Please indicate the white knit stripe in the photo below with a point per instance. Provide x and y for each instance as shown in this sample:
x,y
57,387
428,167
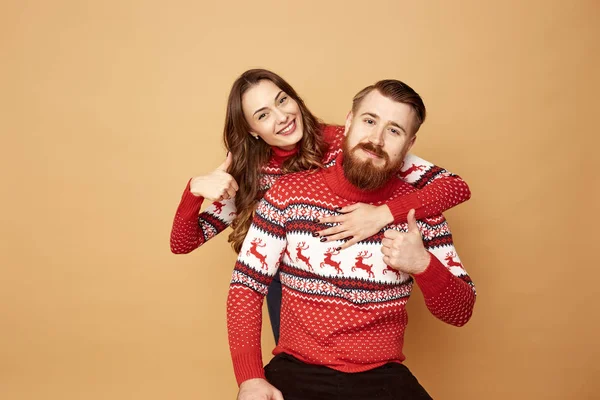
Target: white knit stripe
x,y
224,210
261,251
398,302
324,287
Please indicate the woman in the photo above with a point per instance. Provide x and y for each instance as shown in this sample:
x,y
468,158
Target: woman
x,y
269,132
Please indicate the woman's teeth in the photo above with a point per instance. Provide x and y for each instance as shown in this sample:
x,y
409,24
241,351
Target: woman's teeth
x,y
289,128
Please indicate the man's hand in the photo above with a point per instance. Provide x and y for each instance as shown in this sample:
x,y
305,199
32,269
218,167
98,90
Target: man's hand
x,y
216,186
357,222
405,251
258,389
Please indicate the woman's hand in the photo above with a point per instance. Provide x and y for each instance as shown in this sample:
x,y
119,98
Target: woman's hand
x,y
216,186
357,222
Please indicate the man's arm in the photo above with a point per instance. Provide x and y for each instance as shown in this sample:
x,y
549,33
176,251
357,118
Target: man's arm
x,y
447,288
256,265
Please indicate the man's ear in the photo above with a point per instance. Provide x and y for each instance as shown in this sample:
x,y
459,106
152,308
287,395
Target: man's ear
x,y
348,122
411,142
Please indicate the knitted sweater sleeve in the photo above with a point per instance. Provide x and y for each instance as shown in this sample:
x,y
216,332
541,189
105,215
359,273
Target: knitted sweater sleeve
x,y
439,190
448,290
191,229
256,265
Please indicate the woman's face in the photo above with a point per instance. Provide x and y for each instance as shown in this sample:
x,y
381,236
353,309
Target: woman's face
x,y
273,115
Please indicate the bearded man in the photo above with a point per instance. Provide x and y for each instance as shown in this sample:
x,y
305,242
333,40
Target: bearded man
x,y
343,313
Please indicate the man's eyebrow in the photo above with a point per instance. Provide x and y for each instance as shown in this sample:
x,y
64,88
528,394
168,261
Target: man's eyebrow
x,y
375,116
370,114
398,126
264,108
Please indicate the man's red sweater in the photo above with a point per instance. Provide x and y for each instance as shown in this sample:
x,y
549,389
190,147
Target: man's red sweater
x,y
341,309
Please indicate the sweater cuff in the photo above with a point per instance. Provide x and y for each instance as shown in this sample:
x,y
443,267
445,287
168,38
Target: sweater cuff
x,y
248,366
400,206
189,206
435,279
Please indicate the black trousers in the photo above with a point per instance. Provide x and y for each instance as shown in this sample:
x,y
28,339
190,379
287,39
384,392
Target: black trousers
x,y
300,381
274,305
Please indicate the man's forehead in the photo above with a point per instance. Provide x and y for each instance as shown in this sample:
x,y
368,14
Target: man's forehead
x,y
385,108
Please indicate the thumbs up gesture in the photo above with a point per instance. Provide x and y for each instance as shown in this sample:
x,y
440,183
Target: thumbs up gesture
x,y
405,251
216,186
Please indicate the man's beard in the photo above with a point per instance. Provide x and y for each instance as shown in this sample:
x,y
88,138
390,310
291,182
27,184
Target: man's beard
x,y
364,174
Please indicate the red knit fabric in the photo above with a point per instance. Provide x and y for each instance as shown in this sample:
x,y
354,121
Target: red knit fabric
x,y
439,191
341,309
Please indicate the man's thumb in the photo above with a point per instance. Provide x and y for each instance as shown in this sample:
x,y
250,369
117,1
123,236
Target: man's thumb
x,y
227,163
412,222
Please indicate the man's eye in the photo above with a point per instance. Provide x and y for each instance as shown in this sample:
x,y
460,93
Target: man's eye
x,y
395,131
369,121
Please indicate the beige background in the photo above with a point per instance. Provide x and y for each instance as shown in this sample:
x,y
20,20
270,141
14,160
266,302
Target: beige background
x,y
108,107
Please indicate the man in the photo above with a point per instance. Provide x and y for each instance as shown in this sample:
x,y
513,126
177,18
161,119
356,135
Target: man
x,y
343,312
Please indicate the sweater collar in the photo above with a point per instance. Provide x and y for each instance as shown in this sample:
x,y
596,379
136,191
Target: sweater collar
x,y
337,182
279,155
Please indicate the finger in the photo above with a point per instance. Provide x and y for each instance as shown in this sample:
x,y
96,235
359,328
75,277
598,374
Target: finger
x,y
387,260
412,222
339,236
386,251
387,242
234,184
332,231
227,163
391,234
349,208
349,243
332,219
277,396
231,192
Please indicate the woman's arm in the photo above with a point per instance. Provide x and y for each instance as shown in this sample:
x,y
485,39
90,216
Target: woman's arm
x,y
438,191
191,229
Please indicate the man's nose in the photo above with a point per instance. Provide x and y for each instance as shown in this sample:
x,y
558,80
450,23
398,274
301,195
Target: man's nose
x,y
376,136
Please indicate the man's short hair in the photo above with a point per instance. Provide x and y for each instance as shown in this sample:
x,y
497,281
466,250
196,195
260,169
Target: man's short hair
x,y
397,91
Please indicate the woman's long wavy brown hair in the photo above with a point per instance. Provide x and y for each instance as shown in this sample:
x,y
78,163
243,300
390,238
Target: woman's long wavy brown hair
x,y
250,155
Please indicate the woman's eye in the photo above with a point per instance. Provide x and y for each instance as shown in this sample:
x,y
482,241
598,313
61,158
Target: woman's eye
x,y
261,116
283,100
369,121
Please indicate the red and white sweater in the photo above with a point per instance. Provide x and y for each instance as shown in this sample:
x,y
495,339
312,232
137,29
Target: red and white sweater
x,y
341,309
439,191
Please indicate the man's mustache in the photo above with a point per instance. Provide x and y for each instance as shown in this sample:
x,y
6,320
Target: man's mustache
x,y
371,148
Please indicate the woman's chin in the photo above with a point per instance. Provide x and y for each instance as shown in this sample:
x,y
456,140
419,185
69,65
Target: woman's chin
x,y
291,141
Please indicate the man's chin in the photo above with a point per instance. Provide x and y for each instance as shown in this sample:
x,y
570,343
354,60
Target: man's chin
x,y
370,165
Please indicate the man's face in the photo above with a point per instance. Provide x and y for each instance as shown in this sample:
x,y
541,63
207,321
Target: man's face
x,y
378,136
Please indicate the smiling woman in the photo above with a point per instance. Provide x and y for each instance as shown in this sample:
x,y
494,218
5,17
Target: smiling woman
x,y
278,122
269,132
